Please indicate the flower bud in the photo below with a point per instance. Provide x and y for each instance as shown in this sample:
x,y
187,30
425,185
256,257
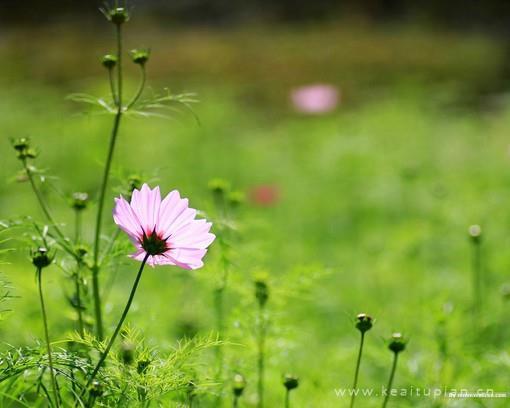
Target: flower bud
x,y
261,291
239,384
397,343
96,389
127,352
219,187
140,56
81,250
364,322
142,366
109,61
475,233
23,149
117,15
40,258
290,381
236,198
134,182
80,201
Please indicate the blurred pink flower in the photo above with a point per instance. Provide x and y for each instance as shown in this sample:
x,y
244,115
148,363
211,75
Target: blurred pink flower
x,y
315,99
165,229
265,195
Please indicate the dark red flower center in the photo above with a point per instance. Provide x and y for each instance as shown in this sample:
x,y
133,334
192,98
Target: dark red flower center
x,y
153,243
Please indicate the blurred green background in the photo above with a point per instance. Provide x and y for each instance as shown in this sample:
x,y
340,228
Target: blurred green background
x,y
374,198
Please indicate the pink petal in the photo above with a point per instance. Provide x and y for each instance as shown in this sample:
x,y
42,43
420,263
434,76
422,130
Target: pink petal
x,y
146,204
171,208
126,219
189,256
193,235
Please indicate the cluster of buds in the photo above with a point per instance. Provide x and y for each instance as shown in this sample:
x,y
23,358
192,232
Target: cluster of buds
x,y
23,149
364,322
397,343
223,193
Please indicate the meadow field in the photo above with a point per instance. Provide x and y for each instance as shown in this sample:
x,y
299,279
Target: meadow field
x,y
369,209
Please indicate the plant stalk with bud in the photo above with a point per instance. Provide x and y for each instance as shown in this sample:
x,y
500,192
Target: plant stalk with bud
x,y
41,260
475,235
363,324
290,382
262,295
397,344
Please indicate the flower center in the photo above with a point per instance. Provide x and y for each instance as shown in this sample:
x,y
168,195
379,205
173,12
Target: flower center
x,y
154,244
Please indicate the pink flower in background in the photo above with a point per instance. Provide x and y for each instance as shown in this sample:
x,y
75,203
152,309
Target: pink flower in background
x,y
165,230
265,195
315,99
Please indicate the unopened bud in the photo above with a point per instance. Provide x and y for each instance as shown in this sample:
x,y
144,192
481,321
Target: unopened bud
x,y
140,56
363,322
109,61
118,15
397,343
127,352
261,291
239,384
475,233
80,201
96,389
219,187
41,258
142,366
290,381
236,198
23,149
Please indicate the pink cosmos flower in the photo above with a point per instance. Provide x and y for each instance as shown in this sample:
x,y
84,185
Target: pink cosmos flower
x,y
165,230
315,99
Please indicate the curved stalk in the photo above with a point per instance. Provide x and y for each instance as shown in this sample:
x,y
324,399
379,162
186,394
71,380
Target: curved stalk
x,y
119,325
390,382
47,339
102,192
46,211
140,89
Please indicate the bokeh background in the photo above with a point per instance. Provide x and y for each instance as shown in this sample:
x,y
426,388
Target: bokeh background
x,y
369,203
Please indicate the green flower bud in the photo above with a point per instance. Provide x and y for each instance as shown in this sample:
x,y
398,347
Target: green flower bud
x,y
290,381
109,61
118,15
96,389
236,198
127,352
219,187
134,182
140,56
21,144
81,250
80,201
261,291
475,233
363,322
239,384
142,366
41,259
397,343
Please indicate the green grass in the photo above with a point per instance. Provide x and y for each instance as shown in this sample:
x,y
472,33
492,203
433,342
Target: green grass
x,y
375,202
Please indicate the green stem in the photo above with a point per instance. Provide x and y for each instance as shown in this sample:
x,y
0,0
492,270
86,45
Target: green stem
x,y
477,276
119,325
356,373
77,227
236,402
140,89
77,285
390,382
287,399
112,88
261,356
102,193
63,243
47,338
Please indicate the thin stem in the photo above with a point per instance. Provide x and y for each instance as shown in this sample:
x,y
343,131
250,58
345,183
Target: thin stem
x,y
287,398
77,226
112,88
77,286
47,338
390,382
140,89
119,325
477,276
261,356
236,402
356,373
102,193
46,210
